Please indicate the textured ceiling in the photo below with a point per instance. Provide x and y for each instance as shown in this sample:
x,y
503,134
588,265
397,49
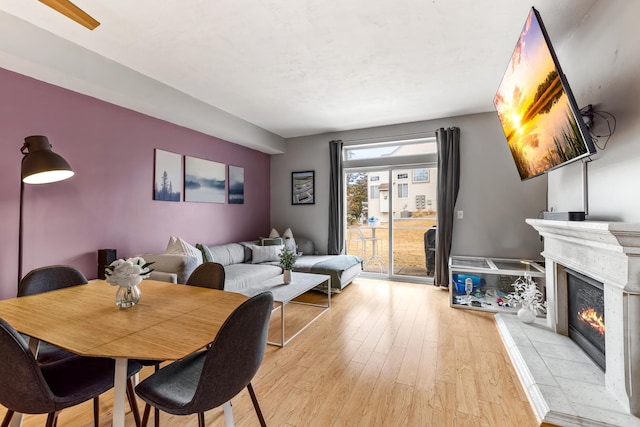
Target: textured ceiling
x,y
296,67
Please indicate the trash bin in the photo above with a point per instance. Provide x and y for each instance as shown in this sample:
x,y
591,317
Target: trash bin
x,y
430,250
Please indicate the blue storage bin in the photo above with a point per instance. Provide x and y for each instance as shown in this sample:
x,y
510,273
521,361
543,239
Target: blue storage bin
x,y
459,280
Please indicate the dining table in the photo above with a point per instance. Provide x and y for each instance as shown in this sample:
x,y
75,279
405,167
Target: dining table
x,y
169,323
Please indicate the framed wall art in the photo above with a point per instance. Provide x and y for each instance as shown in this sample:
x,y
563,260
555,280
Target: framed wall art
x,y
167,176
303,188
236,185
204,180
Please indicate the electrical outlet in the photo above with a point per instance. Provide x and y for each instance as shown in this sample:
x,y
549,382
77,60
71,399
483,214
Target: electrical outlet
x,y
460,214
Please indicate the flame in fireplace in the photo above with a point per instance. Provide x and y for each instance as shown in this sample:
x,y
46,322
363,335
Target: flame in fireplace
x,y
591,317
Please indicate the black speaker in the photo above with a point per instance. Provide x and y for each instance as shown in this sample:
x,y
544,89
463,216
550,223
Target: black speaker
x,y
105,257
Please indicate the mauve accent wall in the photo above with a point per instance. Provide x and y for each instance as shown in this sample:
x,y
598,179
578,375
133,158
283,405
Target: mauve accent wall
x,y
108,203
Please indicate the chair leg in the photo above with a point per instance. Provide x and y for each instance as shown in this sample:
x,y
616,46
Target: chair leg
x,y
145,415
254,399
96,411
7,418
131,396
201,419
52,419
156,411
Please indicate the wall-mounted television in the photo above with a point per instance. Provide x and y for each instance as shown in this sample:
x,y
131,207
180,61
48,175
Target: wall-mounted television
x,y
539,115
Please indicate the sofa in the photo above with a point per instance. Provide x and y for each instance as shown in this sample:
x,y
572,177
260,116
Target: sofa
x,y
246,266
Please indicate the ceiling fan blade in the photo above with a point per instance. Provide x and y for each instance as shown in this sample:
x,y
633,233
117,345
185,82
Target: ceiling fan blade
x,y
72,11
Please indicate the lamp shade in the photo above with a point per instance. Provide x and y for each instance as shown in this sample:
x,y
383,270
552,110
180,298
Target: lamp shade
x,y
40,165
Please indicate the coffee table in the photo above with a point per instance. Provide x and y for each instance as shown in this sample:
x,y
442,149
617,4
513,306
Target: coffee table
x,y
285,294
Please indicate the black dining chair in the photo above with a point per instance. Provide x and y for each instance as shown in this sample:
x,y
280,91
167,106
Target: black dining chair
x,y
208,275
47,279
209,378
51,278
32,388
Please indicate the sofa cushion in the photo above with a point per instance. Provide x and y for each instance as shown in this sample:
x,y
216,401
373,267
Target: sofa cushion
x,y
231,253
239,277
305,246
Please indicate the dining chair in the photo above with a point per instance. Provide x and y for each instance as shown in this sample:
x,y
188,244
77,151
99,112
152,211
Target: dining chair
x,y
32,388
208,275
45,279
212,377
50,278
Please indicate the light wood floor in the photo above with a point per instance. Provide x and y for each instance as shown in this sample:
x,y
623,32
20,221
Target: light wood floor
x,y
386,354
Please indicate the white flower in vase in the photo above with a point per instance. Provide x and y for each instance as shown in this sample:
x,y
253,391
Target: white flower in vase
x,y
127,272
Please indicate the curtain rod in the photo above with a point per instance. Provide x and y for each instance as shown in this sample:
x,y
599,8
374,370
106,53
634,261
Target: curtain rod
x,y
390,138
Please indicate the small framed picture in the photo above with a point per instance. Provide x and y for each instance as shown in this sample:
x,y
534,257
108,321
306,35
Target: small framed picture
x,y
303,188
167,183
236,185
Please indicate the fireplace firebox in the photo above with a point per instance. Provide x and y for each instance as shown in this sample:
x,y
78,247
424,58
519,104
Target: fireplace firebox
x,y
586,315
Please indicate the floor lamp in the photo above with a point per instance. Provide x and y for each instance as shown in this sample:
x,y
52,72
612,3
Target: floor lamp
x,y
40,165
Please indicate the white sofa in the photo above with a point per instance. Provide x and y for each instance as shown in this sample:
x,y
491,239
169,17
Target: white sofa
x,y
241,273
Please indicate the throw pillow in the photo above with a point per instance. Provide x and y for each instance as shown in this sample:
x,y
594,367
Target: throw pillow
x,y
170,244
261,254
291,244
288,234
180,247
274,233
272,242
207,256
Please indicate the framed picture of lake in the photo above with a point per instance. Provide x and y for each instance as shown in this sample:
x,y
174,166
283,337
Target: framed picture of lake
x,y
167,176
236,185
204,180
303,188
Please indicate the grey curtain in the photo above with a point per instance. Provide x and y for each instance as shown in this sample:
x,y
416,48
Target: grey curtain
x,y
335,245
448,185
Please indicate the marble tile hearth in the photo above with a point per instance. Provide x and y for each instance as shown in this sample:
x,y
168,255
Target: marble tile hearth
x,y
564,386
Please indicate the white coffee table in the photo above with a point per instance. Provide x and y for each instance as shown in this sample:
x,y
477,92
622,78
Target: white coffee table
x,y
284,294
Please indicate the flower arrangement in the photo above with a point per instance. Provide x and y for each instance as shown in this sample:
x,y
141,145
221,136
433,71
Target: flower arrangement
x,y
527,294
287,258
127,272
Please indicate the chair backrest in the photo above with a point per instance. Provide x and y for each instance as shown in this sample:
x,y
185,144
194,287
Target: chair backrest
x,y
22,386
49,278
235,354
208,275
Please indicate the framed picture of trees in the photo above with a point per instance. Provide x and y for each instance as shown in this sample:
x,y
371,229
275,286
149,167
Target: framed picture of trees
x,y
167,183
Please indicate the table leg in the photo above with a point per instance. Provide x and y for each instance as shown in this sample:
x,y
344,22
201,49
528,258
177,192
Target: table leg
x,y
119,391
228,414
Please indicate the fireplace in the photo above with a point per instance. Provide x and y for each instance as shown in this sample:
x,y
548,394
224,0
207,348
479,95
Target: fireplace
x,y
586,315
609,253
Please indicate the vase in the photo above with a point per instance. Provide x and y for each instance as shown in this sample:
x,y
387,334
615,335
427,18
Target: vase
x,y
287,277
127,296
526,315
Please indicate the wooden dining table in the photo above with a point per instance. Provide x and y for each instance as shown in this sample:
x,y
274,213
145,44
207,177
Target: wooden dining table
x,y
169,323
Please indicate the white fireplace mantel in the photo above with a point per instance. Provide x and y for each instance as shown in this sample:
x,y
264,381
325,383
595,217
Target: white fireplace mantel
x,y
608,252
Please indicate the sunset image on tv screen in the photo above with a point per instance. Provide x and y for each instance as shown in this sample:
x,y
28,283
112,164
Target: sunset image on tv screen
x,y
534,108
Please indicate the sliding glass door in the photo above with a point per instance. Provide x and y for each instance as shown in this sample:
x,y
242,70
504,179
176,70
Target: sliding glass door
x,y
390,208
413,221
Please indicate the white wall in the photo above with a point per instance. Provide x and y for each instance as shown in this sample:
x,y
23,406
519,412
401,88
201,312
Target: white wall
x,y
602,62
494,200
